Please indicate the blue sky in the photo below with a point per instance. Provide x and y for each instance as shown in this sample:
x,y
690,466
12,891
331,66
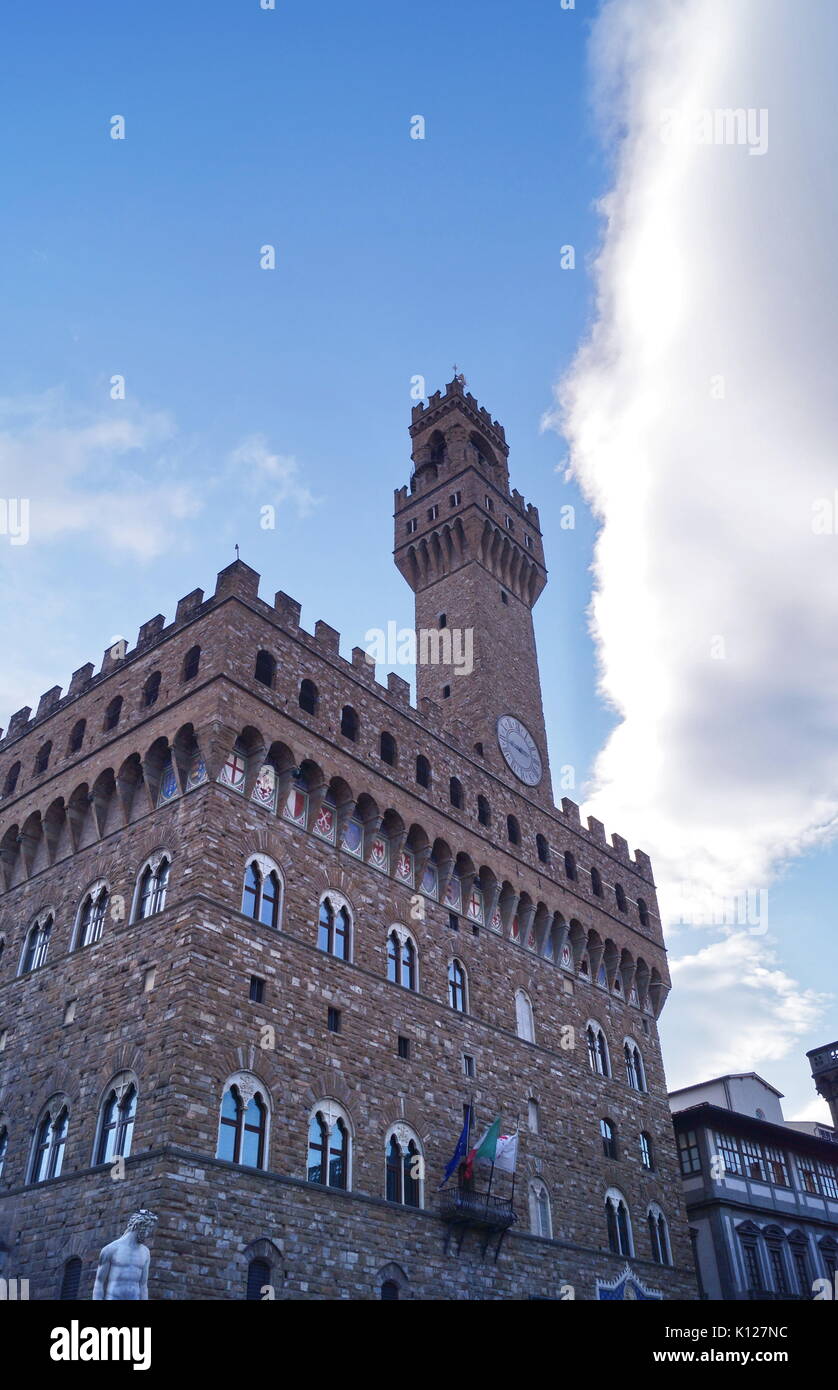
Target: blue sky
x,y
245,387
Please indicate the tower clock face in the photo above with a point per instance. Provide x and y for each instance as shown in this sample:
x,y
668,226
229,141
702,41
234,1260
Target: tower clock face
x,y
520,750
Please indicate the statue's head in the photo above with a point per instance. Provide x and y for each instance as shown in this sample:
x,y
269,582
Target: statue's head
x,y
142,1222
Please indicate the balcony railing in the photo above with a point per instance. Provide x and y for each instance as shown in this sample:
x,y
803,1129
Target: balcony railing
x,y
477,1209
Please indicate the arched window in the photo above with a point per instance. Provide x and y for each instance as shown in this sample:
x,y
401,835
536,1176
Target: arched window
x,y
401,959
642,912
523,1016
308,697
77,736
334,926
532,1115
596,883
91,918
457,987
388,749
36,946
618,1224
569,864
543,849
423,771
609,1138
541,1223
151,690
389,1289
404,1167
116,1121
619,894
484,813
262,893
4,1146
265,668
243,1125
113,712
658,1236
646,1151
70,1280
455,793
258,1278
50,1140
634,1066
513,830
11,779
191,664
328,1147
151,887
42,760
349,723
597,1050
442,620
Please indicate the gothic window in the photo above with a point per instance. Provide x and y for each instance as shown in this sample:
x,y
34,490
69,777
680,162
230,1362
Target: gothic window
x,y
116,1121
688,1153
455,793
457,987
77,736
543,849
609,1138
618,1224
753,1269
265,669
532,1115
91,919
597,1050
541,1223
334,926
50,1140
113,712
596,883
404,1167
151,888
328,1147
569,864
619,894
513,830
634,1066
349,723
191,664
523,1017
801,1265
36,947
658,1236
151,690
388,749
484,814
308,697
646,1151
70,1280
11,779
642,912
401,960
243,1125
262,892
423,771
389,1289
42,760
258,1278
778,1267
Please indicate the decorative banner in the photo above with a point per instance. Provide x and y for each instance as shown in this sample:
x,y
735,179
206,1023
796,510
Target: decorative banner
x,y
404,867
453,895
625,1287
168,783
531,939
602,978
197,773
264,793
296,807
515,928
353,839
430,883
633,999
232,773
380,853
497,920
567,959
326,824
474,906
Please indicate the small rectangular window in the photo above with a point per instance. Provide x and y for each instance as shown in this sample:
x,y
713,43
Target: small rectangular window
x,y
510,525
149,977
257,989
455,499
334,1020
412,526
404,1046
69,1011
3,1036
490,506
433,513
453,921
468,1065
528,542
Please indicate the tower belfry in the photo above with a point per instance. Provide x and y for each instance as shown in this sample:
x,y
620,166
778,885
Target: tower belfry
x,y
471,549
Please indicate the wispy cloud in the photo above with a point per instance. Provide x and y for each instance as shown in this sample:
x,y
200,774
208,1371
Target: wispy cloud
x,y
271,476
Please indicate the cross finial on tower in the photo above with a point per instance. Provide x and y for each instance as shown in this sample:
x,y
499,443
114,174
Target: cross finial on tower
x,y
459,376
237,551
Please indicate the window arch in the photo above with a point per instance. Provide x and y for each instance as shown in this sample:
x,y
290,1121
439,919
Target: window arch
x,y
423,771
404,1167
191,664
618,1224
334,926
90,919
635,1075
457,987
608,1133
643,912
117,1114
647,1152
151,690
387,749
569,865
11,779
658,1235
541,1219
513,830
77,736
402,959
152,883
50,1139
263,891
598,1058
309,697
484,811
329,1146
596,883
620,895
36,945
542,849
265,668
455,793
70,1279
524,1023
243,1122
349,723
43,756
113,712
258,1278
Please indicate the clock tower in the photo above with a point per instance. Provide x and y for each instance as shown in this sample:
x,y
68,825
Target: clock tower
x,y
471,550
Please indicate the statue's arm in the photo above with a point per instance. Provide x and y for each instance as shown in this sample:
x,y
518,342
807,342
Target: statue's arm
x,y
101,1285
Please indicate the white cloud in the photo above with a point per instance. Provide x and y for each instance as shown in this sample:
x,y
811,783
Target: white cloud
x,y
274,476
716,604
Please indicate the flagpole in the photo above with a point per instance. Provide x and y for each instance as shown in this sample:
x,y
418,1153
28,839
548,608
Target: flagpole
x,y
515,1169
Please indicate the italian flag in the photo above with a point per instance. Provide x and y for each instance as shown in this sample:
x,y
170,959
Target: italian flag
x,y
485,1149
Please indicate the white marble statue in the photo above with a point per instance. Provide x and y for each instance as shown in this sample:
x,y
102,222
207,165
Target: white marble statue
x,y
123,1265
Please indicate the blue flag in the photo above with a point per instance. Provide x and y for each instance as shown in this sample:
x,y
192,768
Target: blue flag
x,y
461,1150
